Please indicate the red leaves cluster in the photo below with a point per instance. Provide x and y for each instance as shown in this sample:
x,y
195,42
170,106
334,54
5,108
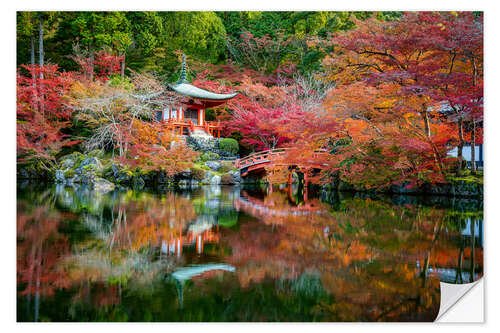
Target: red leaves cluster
x,y
42,110
402,86
104,65
153,148
107,65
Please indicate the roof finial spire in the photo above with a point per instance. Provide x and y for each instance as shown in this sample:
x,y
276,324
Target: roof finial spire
x,y
182,79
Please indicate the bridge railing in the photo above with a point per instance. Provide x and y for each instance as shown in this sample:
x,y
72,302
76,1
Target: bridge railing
x,y
269,156
259,157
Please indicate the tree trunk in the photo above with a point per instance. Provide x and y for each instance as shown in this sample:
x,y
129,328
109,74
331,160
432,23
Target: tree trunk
x,y
473,148
33,77
122,71
32,38
92,56
40,53
427,123
460,148
40,40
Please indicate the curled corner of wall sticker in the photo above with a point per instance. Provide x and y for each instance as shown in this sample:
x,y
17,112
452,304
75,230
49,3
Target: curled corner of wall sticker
x,y
461,303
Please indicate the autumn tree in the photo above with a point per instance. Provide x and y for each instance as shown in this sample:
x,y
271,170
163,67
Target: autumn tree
x,y
151,147
43,110
404,62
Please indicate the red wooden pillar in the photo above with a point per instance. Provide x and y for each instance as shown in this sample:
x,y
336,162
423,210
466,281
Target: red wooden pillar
x,y
201,121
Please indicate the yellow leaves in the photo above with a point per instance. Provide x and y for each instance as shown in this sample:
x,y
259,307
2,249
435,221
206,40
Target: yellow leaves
x,y
388,103
442,26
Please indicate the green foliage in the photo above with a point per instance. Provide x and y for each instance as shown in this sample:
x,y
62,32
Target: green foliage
x,y
198,173
96,153
229,145
121,82
151,39
200,34
209,156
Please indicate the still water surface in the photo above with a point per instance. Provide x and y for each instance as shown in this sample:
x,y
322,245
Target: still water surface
x,y
234,254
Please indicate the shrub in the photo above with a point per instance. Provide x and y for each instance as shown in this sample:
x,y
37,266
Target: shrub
x,y
209,156
121,82
226,167
229,145
226,179
96,153
198,173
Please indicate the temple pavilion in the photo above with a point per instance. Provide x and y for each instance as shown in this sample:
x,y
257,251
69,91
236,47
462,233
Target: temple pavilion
x,y
188,117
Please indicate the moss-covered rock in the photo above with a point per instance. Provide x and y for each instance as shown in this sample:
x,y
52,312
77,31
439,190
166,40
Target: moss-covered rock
x,y
96,153
70,173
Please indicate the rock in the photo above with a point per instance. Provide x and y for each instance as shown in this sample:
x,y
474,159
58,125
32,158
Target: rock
x,y
213,165
138,183
91,161
162,178
215,180
115,170
184,183
208,176
438,189
202,142
236,176
87,179
467,189
75,179
68,163
124,177
60,176
184,175
101,185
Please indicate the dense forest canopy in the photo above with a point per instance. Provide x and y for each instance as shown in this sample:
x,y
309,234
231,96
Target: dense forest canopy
x,y
149,39
386,94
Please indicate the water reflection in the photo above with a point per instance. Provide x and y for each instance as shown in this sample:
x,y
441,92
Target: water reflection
x,y
230,254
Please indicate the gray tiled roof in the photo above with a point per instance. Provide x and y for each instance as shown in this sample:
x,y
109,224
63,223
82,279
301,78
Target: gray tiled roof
x,y
195,92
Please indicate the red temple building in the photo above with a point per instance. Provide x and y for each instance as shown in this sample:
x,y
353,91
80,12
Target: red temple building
x,y
188,117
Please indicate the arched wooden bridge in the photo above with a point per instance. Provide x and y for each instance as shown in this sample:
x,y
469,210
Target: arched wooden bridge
x,y
258,162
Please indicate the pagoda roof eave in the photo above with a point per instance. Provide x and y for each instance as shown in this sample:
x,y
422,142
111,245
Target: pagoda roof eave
x,y
189,90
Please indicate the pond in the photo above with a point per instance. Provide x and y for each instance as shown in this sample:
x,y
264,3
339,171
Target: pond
x,y
239,254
